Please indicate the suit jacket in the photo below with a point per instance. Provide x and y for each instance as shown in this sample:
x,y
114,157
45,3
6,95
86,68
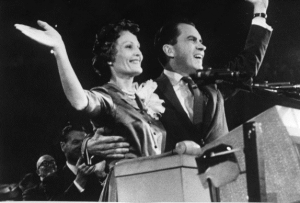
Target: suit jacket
x,y
47,190
71,193
175,120
35,193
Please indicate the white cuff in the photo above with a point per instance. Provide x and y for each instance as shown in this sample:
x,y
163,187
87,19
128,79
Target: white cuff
x,y
261,22
78,186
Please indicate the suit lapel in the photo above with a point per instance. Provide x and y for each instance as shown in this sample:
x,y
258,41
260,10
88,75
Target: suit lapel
x,y
210,108
165,86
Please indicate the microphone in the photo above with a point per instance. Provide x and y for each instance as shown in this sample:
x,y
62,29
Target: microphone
x,y
218,74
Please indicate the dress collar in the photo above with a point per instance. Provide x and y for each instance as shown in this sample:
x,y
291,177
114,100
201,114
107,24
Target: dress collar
x,y
125,97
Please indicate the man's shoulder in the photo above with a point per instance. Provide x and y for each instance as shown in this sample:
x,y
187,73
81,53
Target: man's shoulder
x,y
160,78
210,89
162,83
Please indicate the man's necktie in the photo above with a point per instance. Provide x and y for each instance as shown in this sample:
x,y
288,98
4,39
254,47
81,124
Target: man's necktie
x,y
198,100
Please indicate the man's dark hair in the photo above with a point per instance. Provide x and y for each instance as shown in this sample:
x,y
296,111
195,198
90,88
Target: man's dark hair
x,y
105,46
168,34
68,128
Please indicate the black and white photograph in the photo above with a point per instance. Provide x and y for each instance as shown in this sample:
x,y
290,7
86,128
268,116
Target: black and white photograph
x,y
150,100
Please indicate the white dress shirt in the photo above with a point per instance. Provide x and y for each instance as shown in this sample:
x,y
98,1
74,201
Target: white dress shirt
x,y
261,22
183,93
74,171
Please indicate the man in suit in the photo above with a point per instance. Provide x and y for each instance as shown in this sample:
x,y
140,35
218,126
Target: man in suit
x,y
180,51
45,166
48,187
80,182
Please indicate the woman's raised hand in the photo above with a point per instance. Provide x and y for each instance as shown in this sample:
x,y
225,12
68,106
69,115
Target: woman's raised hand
x,y
48,36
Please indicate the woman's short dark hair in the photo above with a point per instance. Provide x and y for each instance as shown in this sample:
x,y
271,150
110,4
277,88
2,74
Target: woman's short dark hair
x,y
168,34
105,45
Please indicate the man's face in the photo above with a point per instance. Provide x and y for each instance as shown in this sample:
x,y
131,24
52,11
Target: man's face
x,y
72,147
188,51
46,166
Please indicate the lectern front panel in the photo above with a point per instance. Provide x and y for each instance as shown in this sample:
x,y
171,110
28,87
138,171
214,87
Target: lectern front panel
x,y
280,126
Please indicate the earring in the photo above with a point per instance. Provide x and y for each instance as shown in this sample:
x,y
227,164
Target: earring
x,y
109,63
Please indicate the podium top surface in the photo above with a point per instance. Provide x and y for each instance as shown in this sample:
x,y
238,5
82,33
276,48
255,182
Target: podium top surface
x,y
154,163
289,117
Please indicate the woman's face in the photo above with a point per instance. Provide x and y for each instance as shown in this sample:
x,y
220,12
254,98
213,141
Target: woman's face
x,y
128,58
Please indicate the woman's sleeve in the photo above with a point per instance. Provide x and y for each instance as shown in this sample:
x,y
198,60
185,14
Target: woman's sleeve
x,y
99,102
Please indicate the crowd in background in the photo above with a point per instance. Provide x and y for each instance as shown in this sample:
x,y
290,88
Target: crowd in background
x,y
75,181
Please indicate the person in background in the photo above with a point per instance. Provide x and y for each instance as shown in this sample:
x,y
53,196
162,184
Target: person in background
x,y
80,182
49,186
30,180
45,166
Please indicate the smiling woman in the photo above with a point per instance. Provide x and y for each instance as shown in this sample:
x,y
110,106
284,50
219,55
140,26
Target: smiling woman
x,y
115,49
128,57
117,104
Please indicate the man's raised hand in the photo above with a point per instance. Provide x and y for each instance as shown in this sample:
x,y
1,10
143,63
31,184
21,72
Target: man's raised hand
x,y
105,145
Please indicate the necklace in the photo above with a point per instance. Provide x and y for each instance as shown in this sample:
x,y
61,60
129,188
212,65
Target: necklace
x,y
130,94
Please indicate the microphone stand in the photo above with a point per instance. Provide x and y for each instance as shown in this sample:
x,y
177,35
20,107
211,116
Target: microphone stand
x,y
280,88
243,81
236,79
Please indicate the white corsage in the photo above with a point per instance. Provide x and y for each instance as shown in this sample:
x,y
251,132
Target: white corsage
x,y
151,100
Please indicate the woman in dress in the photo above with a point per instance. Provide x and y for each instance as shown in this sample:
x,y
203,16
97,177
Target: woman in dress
x,y
121,105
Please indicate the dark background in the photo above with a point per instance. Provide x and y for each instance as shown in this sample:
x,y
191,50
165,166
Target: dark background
x,y
33,108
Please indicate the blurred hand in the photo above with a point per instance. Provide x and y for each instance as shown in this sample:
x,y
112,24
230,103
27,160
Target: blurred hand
x,y
48,36
82,172
99,169
109,146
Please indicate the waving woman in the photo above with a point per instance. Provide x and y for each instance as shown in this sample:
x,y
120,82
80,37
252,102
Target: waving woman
x,y
129,110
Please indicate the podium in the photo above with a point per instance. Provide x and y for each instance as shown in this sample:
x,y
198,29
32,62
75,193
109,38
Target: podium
x,y
175,178
279,143
160,179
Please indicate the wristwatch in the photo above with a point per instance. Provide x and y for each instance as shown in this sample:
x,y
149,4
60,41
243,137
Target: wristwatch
x,y
263,15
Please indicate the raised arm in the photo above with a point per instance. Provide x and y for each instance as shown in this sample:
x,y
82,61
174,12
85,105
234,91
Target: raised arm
x,y
251,58
51,38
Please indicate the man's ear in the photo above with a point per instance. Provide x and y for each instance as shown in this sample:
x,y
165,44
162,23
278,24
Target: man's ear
x,y
169,50
62,146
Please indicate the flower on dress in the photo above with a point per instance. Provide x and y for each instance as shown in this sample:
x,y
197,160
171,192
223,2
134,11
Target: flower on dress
x,y
151,100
